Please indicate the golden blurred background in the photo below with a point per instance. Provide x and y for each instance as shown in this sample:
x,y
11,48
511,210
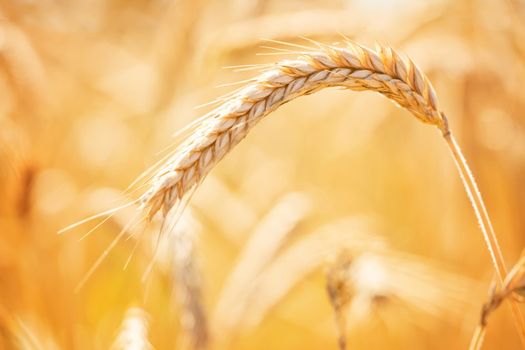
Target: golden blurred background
x,y
91,93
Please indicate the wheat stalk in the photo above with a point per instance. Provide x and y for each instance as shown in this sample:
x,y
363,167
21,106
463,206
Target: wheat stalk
x,y
188,283
353,67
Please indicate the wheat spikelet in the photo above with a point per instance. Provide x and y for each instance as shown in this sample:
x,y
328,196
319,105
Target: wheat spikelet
x,y
353,67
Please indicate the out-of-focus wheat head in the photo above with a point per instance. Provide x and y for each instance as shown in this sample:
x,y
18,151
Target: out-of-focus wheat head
x,y
360,287
265,242
270,284
340,292
365,277
133,334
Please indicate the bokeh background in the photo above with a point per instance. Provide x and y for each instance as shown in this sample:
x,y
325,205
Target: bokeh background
x,y
91,93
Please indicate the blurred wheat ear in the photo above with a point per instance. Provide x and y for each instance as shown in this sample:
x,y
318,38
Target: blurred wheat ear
x,y
134,331
340,292
513,288
353,67
377,274
268,238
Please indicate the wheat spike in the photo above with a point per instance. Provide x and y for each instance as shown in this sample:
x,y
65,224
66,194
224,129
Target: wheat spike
x,y
353,67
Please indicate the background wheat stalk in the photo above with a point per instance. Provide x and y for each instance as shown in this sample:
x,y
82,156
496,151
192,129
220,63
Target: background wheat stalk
x,y
353,67
188,283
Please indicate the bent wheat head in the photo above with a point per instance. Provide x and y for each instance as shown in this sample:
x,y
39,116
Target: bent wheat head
x,y
353,67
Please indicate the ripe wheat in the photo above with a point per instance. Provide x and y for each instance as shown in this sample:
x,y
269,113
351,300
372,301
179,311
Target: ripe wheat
x,y
353,67
356,68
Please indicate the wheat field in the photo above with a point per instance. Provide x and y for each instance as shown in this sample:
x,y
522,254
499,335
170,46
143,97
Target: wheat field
x,y
233,174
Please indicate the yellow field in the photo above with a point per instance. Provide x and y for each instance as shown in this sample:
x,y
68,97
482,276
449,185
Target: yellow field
x,y
339,222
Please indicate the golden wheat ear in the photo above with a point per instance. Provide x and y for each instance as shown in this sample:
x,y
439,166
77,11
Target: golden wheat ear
x,y
316,67
352,66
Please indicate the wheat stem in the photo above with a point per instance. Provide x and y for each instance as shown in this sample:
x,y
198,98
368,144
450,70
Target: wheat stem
x,y
477,339
482,216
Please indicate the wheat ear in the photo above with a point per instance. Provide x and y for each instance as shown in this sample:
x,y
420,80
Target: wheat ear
x,y
513,288
354,67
